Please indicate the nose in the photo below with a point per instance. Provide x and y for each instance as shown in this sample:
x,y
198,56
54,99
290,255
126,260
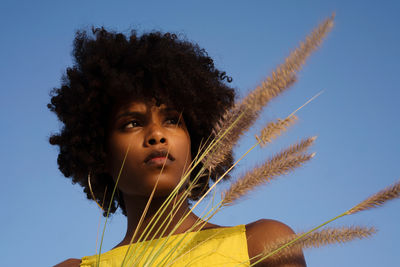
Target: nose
x,y
155,135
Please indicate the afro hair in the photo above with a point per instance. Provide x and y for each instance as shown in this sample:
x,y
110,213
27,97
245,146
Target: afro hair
x,y
110,66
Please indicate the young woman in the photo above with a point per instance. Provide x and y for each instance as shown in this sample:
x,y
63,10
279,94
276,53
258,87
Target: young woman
x,y
136,110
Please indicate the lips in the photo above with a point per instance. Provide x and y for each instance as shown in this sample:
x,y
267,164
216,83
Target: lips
x,y
158,157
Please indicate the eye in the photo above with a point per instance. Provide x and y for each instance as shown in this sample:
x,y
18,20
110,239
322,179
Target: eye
x,y
172,120
132,124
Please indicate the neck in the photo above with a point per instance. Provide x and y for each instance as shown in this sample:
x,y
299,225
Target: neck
x,y
167,222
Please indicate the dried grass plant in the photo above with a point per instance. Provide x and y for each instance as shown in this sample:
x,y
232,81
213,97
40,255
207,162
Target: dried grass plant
x,y
227,132
282,163
282,78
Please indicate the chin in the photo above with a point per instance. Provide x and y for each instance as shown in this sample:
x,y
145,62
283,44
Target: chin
x,y
165,187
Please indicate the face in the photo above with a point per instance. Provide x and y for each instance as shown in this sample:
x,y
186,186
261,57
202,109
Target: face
x,y
158,146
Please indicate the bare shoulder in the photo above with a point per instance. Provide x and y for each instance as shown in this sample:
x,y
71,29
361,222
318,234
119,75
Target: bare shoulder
x,y
69,263
262,233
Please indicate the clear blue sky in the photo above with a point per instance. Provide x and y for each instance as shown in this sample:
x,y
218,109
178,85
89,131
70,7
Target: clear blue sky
x,y
45,219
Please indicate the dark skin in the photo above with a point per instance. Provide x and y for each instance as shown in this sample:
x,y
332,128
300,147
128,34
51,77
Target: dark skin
x,y
158,140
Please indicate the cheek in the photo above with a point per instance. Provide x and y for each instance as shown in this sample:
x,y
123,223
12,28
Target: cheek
x,y
183,148
117,149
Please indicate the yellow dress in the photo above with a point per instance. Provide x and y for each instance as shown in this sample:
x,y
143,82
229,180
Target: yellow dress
x,y
212,247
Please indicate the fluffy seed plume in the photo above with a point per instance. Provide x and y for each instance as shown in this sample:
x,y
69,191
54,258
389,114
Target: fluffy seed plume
x,y
316,239
297,148
249,108
274,129
228,135
285,74
380,198
280,164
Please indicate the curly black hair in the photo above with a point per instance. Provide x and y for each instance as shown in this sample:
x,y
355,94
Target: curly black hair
x,y
110,66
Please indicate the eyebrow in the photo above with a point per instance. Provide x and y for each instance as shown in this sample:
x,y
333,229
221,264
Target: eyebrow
x,y
141,114
130,114
168,109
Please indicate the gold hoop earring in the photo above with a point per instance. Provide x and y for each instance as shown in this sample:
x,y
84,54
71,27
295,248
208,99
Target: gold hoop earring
x,y
91,192
119,199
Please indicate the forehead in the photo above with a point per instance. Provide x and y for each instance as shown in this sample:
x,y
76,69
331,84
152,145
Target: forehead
x,y
141,106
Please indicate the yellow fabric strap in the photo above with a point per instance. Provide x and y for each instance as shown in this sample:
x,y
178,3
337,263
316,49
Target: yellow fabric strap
x,y
212,247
